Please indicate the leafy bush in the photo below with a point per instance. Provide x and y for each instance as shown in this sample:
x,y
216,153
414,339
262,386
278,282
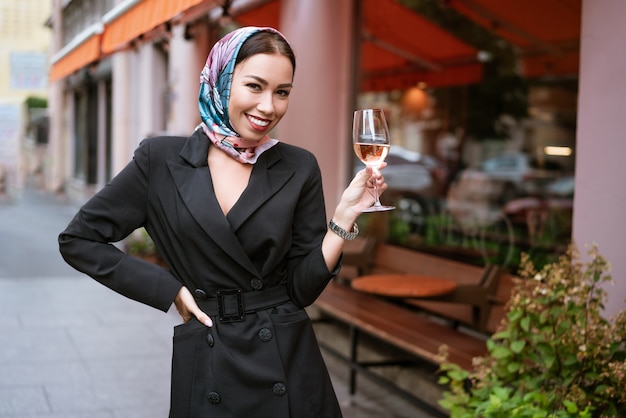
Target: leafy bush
x,y
33,102
554,355
140,243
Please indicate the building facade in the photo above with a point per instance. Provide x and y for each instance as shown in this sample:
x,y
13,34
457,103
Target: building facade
x,y
125,70
24,44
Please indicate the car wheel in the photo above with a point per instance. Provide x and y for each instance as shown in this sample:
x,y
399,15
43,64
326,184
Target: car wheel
x,y
509,192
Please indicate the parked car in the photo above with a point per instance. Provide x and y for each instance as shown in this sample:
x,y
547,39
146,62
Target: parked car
x,y
517,174
562,187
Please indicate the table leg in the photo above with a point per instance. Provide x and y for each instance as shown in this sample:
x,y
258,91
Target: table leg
x,y
354,336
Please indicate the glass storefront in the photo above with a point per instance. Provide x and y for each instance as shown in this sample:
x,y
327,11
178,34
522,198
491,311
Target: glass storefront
x,y
478,199
480,170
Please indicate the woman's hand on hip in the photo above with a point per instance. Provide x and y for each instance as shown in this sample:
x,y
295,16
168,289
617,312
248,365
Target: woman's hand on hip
x,y
187,307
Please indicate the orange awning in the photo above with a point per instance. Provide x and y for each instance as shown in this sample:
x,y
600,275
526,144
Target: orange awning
x,y
399,47
547,32
84,54
141,19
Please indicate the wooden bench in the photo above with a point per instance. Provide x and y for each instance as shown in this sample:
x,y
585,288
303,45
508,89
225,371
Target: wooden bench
x,y
397,326
478,302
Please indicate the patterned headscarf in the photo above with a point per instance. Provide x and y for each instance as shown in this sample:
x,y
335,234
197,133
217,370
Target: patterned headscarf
x,y
215,84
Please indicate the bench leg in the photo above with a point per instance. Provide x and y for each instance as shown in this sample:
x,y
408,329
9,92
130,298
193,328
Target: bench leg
x,y
354,336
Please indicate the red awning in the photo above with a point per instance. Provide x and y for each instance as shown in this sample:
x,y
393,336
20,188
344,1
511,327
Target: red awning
x,y
84,54
400,48
141,19
394,53
547,32
454,76
267,14
542,65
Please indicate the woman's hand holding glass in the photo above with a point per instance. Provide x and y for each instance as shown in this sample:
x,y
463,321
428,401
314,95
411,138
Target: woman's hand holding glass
x,y
359,195
371,141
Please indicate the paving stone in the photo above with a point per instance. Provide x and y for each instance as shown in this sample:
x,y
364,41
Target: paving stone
x,y
24,373
38,346
115,341
29,399
114,396
9,323
147,369
98,414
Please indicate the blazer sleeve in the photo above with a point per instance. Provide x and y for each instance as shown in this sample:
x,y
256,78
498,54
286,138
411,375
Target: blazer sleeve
x,y
308,272
108,217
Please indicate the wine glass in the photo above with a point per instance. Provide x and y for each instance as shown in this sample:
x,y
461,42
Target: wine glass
x,y
371,141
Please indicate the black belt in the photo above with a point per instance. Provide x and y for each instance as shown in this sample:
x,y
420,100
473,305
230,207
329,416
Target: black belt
x,y
232,305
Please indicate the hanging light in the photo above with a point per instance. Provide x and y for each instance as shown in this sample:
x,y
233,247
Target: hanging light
x,y
558,151
225,19
225,22
414,100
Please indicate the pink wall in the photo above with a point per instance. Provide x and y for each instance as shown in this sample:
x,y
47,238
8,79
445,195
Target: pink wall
x,y
319,112
57,154
600,200
183,83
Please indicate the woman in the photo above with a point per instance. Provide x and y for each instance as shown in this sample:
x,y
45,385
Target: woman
x,y
240,220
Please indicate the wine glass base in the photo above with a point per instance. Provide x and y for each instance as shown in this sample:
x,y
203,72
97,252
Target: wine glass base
x,y
378,208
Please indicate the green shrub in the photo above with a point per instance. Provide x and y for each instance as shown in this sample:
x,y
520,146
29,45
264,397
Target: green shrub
x,y
554,354
33,102
140,243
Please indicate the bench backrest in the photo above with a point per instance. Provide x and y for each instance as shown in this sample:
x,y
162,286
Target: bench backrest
x,y
393,259
365,256
498,304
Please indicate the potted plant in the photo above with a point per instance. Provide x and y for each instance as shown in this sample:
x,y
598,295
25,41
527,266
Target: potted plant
x,y
140,244
554,354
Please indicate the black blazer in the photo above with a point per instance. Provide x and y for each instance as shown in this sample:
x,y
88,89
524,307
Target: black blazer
x,y
271,237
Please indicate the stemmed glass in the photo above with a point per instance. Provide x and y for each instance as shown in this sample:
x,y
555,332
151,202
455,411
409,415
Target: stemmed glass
x,y
371,141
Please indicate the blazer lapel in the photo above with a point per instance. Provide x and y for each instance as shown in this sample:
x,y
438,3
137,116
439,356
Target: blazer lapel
x,y
267,178
196,190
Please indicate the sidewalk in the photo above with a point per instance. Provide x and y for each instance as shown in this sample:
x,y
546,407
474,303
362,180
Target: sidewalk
x,y
74,349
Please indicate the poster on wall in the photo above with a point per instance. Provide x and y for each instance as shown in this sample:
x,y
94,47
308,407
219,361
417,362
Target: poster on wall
x,y
28,71
9,133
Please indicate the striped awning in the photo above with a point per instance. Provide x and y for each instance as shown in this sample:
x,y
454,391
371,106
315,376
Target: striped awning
x,y
125,23
77,57
140,19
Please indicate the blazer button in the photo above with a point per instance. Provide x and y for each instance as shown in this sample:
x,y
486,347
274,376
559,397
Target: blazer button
x,y
214,397
210,339
256,284
199,294
279,389
265,334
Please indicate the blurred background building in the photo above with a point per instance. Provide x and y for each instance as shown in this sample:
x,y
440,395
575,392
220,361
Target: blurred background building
x,y
24,43
498,110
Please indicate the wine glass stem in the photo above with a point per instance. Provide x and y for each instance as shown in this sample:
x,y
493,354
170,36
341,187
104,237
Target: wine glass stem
x,y
376,197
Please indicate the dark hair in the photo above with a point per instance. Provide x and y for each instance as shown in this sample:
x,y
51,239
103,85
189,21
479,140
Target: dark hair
x,y
266,42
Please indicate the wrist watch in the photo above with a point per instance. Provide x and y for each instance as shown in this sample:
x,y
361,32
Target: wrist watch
x,y
348,236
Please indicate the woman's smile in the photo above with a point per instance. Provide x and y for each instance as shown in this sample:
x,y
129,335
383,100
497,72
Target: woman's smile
x,y
258,123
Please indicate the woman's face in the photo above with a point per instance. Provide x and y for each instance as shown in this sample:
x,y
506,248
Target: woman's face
x,y
259,94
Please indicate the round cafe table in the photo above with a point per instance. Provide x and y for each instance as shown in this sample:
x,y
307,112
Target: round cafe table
x,y
404,285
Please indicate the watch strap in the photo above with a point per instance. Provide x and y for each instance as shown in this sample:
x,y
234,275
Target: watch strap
x,y
348,236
